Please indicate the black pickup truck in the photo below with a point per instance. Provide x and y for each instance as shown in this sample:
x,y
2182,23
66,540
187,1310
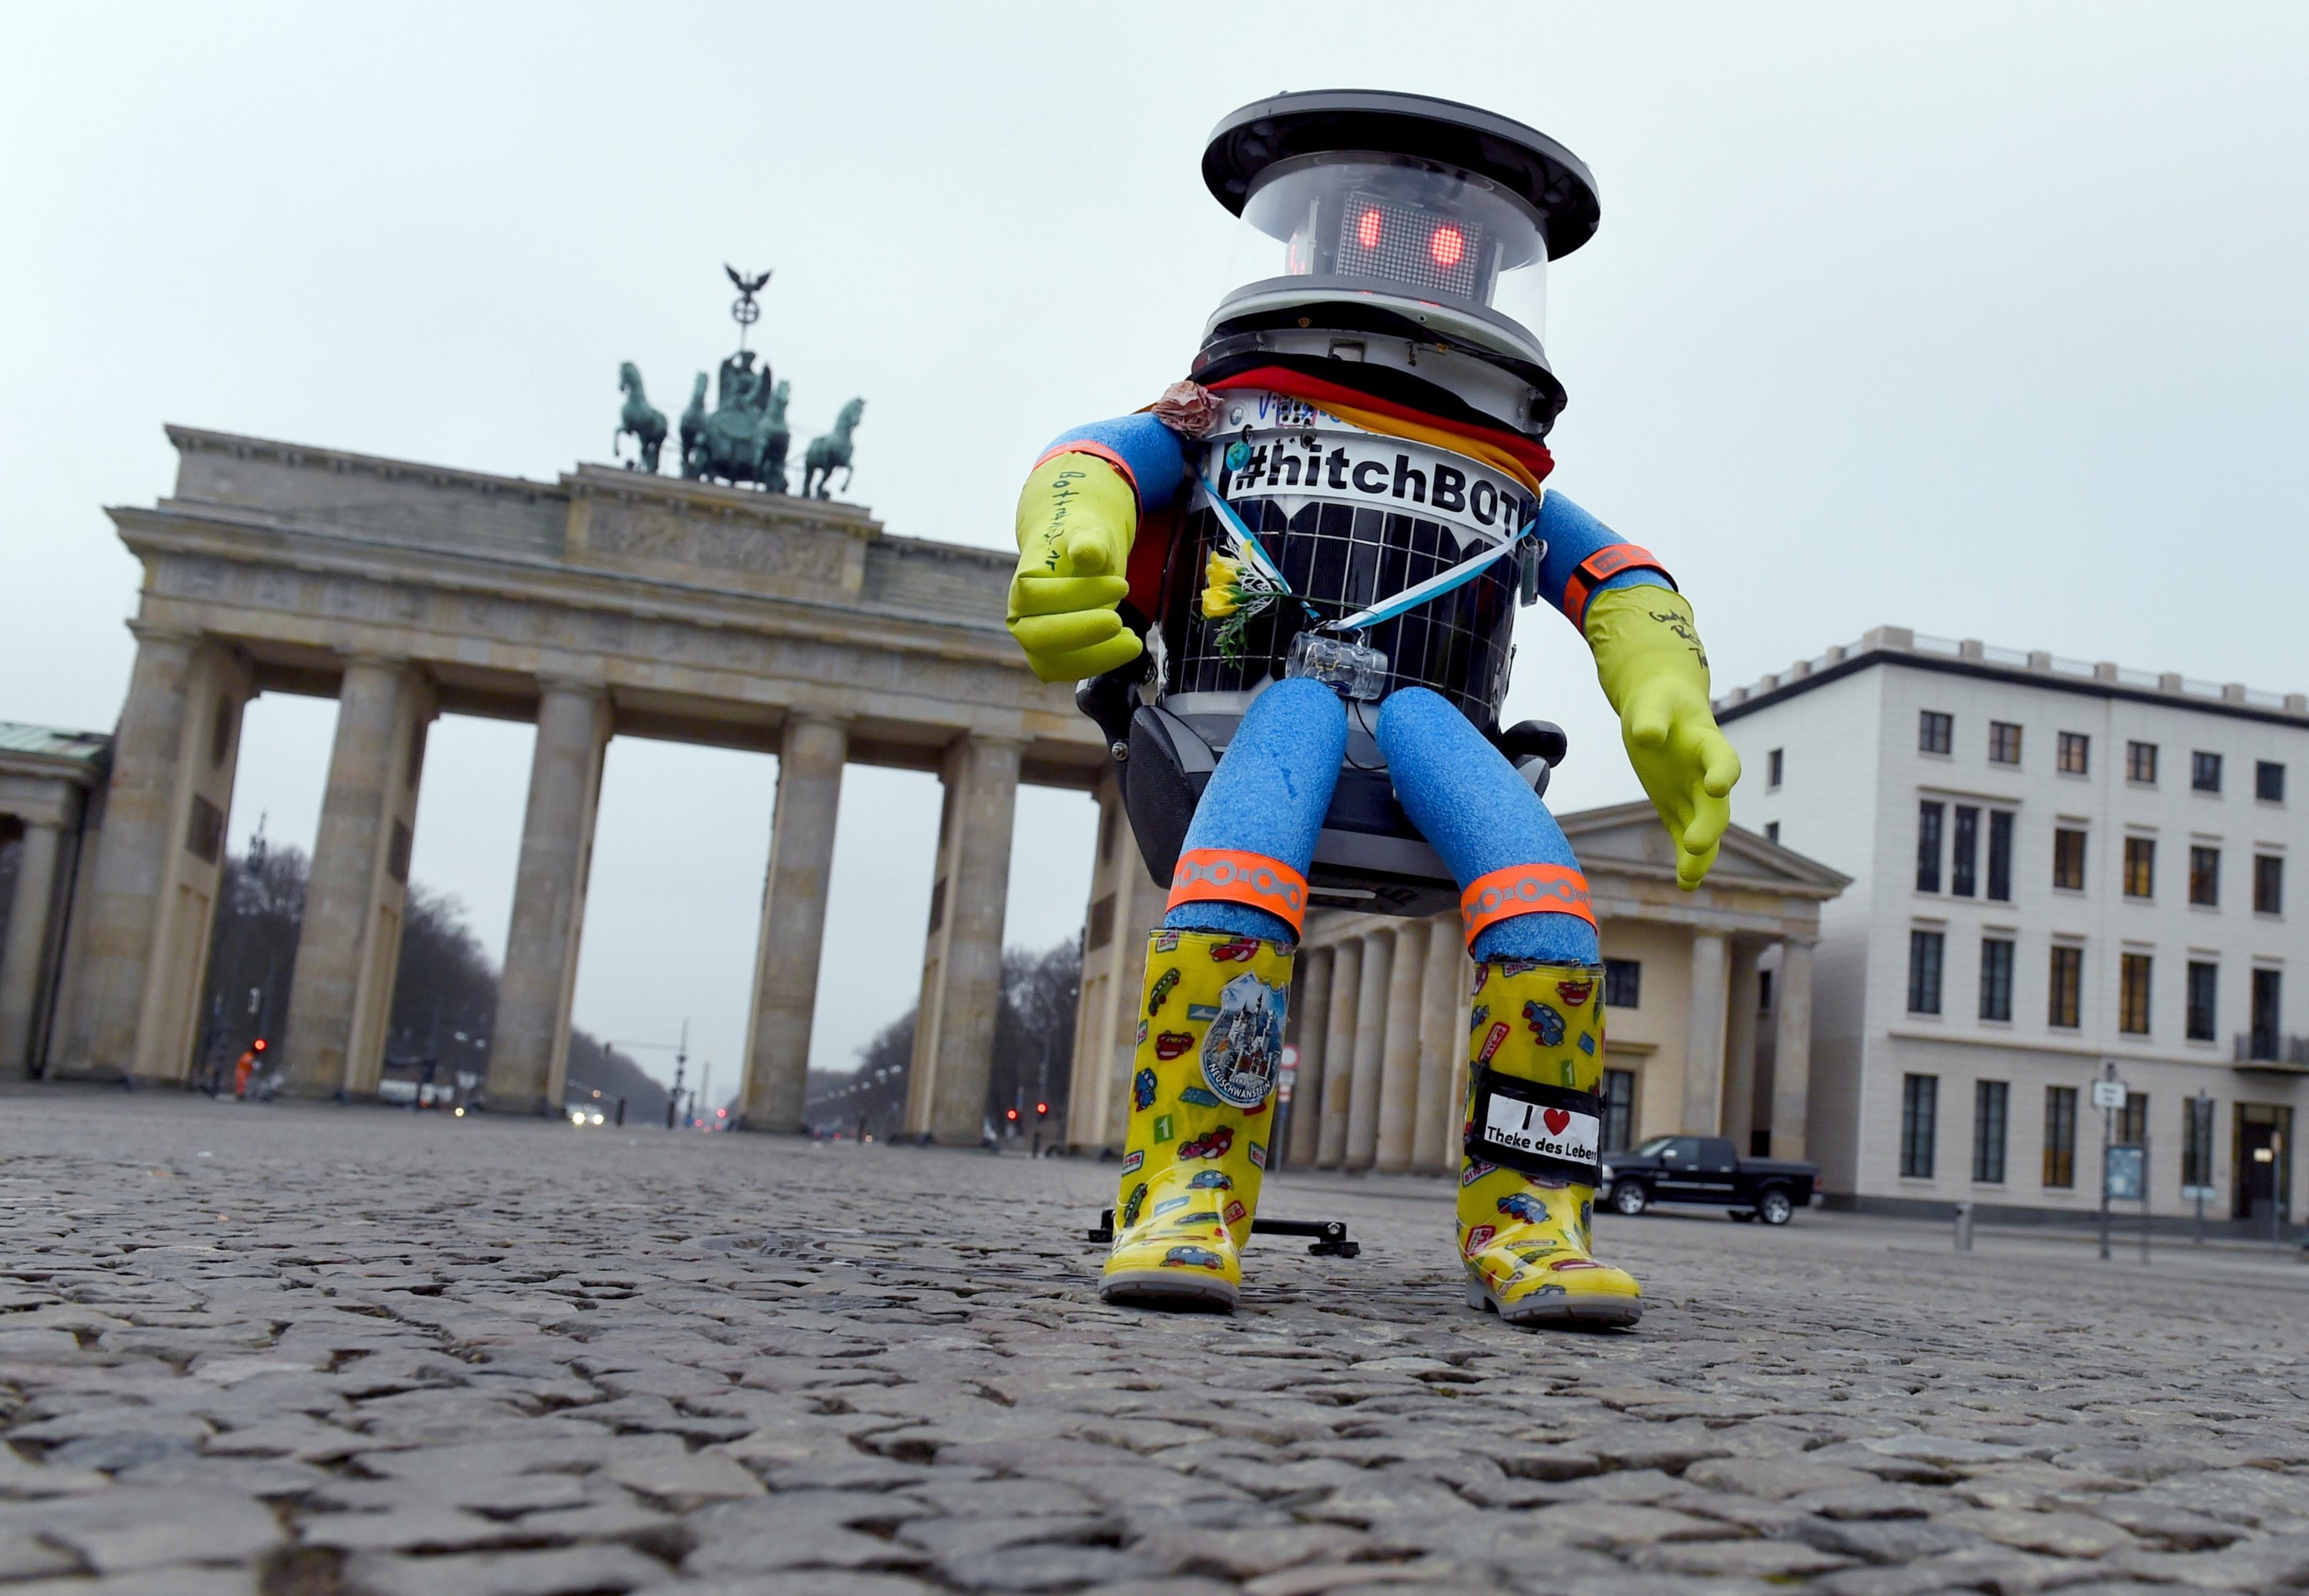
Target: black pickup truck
x,y
1706,1170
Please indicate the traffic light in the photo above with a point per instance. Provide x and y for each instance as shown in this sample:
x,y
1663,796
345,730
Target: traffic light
x,y
257,1046
1042,1110
1010,1114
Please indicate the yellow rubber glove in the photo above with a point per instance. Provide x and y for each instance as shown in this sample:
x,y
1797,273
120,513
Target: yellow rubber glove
x,y
1077,516
1655,671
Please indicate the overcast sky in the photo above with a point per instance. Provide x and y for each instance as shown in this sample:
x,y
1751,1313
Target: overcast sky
x,y
1981,319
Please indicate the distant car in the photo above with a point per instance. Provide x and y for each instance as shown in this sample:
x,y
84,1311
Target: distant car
x,y
1706,1171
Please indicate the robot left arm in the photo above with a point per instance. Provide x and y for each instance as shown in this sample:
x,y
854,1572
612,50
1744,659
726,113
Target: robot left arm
x,y
1654,669
1078,515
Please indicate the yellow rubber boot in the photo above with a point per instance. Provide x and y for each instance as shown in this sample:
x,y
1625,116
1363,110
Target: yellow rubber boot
x,y
1534,1131
1210,1041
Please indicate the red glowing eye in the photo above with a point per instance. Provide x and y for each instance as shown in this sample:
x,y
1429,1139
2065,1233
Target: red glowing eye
x,y
1446,245
1367,229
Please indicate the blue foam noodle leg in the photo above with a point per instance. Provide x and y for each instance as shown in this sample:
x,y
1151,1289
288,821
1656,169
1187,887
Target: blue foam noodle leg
x,y
1466,800
1268,796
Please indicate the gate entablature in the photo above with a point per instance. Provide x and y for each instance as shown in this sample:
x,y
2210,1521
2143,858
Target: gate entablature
x,y
607,602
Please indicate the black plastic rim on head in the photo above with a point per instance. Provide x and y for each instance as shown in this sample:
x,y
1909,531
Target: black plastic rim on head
x,y
1523,160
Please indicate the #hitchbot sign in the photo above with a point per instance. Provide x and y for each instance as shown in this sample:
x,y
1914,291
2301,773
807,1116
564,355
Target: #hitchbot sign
x,y
2126,1172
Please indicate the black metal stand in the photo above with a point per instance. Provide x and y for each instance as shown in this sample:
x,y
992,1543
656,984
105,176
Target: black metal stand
x,y
1330,1234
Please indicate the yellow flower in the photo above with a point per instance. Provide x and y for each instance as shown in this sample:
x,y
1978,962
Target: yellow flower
x,y
1222,595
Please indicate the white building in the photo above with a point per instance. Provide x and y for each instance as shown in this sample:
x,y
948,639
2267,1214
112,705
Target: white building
x,y
2055,865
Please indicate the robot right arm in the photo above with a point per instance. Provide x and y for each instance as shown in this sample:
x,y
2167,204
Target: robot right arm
x,y
1078,515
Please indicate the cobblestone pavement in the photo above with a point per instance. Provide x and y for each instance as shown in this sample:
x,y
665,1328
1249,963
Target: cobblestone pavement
x,y
314,1350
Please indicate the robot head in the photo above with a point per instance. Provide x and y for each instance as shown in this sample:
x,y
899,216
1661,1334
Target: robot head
x,y
1395,217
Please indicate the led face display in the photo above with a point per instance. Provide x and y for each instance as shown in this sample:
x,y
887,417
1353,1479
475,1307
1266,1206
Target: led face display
x,y
1408,247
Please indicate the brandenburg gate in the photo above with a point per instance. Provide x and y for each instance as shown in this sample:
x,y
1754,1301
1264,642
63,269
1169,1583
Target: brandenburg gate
x,y
610,602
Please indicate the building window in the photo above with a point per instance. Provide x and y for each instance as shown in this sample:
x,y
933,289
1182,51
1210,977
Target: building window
x,y
2000,855
2069,860
1775,766
2204,772
1763,991
1935,732
2205,876
2268,883
2131,1125
2065,1002
2076,754
1619,1109
1991,1105
2060,1135
2003,743
2196,1142
1924,950
2268,986
2204,987
2133,995
2140,764
1964,864
1623,983
1771,831
1995,978
2141,866
1919,1109
2269,780
1930,817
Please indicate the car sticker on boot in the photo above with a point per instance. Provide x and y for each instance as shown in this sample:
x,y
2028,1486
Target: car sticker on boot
x,y
1258,1155
1545,1024
1477,1016
1479,1239
1193,1257
1213,1143
1575,994
1521,1205
1491,1042
1169,1044
1132,1160
1142,1090
1212,1180
1167,942
1160,992
1236,1213
1475,1171
1241,950
1130,1208
1244,1045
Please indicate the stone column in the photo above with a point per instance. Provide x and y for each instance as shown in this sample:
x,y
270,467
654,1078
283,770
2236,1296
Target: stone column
x,y
1314,1023
1792,1051
1703,1057
1399,1075
810,757
1370,1049
1443,1045
529,1041
133,847
349,943
1339,1052
961,966
21,958
1739,1107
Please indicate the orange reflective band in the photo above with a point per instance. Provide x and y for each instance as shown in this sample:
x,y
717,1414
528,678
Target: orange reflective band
x,y
1096,451
1601,566
1231,876
1523,889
